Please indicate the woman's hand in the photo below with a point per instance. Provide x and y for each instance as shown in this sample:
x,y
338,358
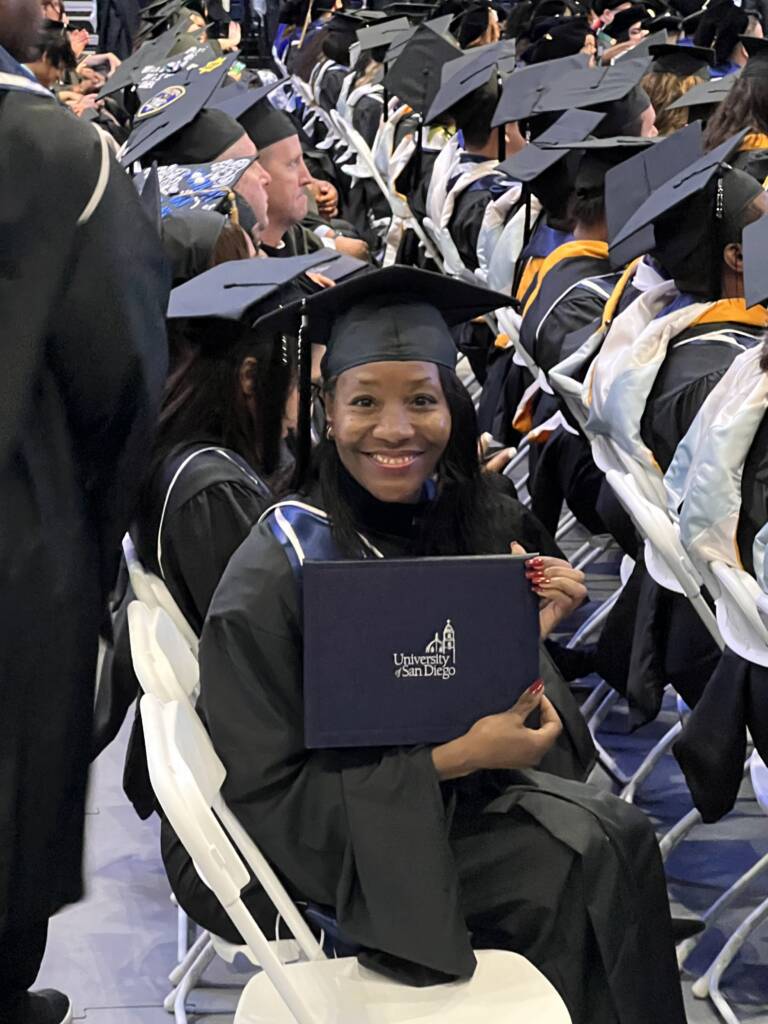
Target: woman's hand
x,y
497,462
560,587
502,741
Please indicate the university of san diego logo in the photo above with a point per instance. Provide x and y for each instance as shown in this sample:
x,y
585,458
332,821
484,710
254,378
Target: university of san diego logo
x,y
438,660
161,100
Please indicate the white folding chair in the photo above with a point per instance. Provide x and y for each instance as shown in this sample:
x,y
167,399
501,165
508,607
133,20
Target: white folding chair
x,y
187,777
152,591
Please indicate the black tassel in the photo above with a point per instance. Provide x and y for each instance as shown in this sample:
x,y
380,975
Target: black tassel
x,y
304,426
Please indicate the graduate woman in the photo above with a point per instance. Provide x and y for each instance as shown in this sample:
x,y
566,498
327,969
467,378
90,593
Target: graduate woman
x,y
422,853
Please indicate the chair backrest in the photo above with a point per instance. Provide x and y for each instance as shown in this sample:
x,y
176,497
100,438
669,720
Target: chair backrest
x,y
666,560
162,661
759,774
153,592
186,776
738,605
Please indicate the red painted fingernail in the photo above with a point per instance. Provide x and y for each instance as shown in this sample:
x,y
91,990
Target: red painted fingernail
x,y
536,688
536,561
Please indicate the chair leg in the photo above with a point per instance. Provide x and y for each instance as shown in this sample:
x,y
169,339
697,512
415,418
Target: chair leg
x,y
725,958
183,966
594,700
650,761
608,763
182,934
597,719
712,913
176,1001
586,629
565,526
587,554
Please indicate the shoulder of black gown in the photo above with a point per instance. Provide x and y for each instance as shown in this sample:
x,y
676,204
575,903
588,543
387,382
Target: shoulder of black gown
x,y
513,522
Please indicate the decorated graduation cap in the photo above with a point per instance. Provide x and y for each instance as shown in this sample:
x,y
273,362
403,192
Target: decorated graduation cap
x,y
706,96
462,76
522,91
151,53
199,186
754,243
683,61
627,188
172,121
415,76
694,214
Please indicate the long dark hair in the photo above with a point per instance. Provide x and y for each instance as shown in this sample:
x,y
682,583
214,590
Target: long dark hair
x,y
460,520
745,106
204,400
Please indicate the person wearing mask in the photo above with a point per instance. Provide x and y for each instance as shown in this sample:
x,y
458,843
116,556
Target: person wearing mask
x,y
462,837
83,371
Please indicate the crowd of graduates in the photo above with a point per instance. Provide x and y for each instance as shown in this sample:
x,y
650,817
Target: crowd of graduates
x,y
226,263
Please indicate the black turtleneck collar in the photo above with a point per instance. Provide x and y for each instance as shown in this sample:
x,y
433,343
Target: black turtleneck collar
x,y
391,518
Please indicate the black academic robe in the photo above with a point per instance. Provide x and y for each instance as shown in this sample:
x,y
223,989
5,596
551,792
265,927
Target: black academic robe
x,y
297,241
654,637
469,211
207,513
754,161
417,871
712,747
84,360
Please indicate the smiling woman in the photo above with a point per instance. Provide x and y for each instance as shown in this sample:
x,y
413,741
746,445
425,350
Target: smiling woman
x,y
422,852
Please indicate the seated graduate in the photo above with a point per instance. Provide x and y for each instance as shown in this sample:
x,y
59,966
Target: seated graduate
x,y
675,70
332,67
722,27
659,361
219,456
52,56
421,852
746,106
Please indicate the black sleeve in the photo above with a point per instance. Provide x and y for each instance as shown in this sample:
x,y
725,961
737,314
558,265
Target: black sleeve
x,y
200,538
366,118
569,315
666,420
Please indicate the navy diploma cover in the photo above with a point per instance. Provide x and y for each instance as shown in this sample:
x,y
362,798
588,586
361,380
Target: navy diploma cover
x,y
399,652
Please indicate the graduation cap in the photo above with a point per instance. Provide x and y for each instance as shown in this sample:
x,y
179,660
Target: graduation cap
x,y
541,155
591,87
757,50
664,23
473,70
150,195
470,23
150,76
754,244
755,47
175,104
399,43
522,91
189,237
231,290
627,188
236,99
206,186
643,48
623,21
415,76
683,61
693,215
417,12
376,36
561,39
152,52
706,94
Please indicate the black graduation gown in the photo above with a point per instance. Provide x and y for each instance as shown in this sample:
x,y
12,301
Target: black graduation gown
x,y
210,510
297,241
654,637
469,210
527,861
754,162
84,361
712,747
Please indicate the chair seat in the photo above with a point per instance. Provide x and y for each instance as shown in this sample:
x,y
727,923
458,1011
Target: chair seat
x,y
505,989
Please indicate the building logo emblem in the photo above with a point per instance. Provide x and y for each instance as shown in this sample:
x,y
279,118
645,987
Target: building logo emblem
x,y
437,661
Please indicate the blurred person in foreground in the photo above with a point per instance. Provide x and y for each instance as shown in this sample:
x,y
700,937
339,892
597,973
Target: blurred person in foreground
x,y
84,354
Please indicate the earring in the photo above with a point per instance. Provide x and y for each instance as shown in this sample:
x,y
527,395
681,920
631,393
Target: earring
x,y
329,432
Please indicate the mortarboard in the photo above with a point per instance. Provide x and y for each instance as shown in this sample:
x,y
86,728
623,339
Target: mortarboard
x,y
473,70
231,290
415,76
417,12
754,243
150,76
175,103
266,125
693,215
757,51
706,94
683,61
206,186
562,39
236,99
189,238
754,46
400,41
471,22
522,90
541,155
664,23
372,37
628,188
152,52
395,314
592,87
623,21
643,48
